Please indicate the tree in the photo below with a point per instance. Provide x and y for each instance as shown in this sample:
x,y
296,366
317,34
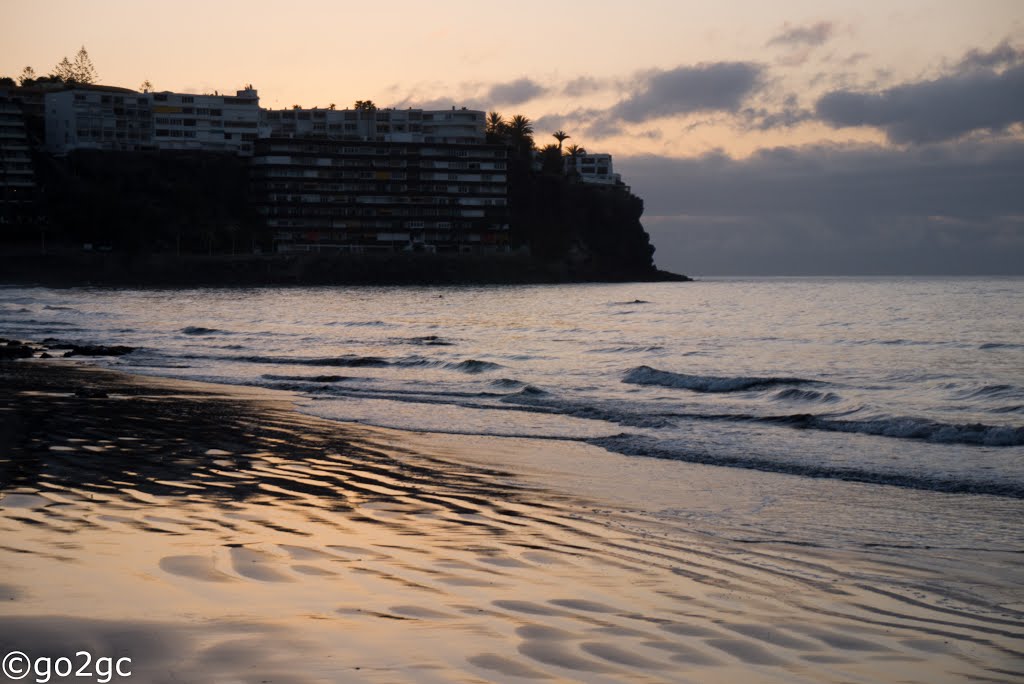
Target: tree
x,y
520,131
365,105
332,106
551,159
495,123
79,71
574,152
146,86
85,72
28,76
64,70
560,136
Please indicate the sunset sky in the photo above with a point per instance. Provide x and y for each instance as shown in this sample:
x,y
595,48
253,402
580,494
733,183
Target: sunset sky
x,y
790,136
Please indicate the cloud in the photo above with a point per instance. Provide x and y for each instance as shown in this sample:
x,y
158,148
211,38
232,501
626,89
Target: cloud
x,y
514,92
811,35
943,208
1002,55
929,111
706,87
582,86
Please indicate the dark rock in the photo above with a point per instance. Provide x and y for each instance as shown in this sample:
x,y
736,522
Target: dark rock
x,y
15,350
98,350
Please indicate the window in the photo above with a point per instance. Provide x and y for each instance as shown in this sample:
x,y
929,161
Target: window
x,y
187,99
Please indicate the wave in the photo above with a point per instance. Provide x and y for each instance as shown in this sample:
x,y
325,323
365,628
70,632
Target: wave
x,y
507,382
977,434
329,361
638,445
361,324
430,340
307,378
991,392
1001,345
630,349
645,375
200,330
473,366
795,394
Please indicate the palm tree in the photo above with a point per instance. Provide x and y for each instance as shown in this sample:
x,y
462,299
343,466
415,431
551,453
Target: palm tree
x,y
495,123
520,130
574,151
560,136
521,126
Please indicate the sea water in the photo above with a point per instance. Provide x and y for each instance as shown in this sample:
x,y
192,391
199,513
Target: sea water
x,y
910,382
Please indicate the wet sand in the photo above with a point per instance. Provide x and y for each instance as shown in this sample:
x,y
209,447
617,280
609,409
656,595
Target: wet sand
x,y
214,534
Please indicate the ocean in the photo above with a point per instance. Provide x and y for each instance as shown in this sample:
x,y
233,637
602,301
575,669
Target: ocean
x,y
909,382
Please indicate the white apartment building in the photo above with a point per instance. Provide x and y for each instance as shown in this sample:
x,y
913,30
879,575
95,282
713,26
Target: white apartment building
x,y
593,168
119,119
213,123
99,119
454,126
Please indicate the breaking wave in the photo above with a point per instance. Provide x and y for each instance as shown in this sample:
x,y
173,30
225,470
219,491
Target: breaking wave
x,y
200,330
645,375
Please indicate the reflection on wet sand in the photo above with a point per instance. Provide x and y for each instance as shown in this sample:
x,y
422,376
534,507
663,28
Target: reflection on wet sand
x,y
218,536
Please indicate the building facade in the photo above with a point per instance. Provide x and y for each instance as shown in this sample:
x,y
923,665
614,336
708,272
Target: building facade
x,y
211,123
592,168
17,177
358,195
98,118
455,126
118,119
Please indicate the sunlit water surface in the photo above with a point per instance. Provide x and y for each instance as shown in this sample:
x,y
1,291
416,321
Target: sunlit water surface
x,y
912,382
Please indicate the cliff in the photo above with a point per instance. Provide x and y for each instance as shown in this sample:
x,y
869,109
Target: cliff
x,y
594,230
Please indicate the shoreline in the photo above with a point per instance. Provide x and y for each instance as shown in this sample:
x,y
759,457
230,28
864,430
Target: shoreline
x,y
205,516
69,268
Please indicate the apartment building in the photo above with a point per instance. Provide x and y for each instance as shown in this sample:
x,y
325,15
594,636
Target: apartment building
x,y
360,195
592,168
213,123
98,118
455,126
17,178
103,118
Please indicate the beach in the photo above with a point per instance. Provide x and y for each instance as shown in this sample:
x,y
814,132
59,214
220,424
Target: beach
x,y
212,533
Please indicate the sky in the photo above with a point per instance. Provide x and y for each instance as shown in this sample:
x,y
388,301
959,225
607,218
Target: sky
x,y
789,137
